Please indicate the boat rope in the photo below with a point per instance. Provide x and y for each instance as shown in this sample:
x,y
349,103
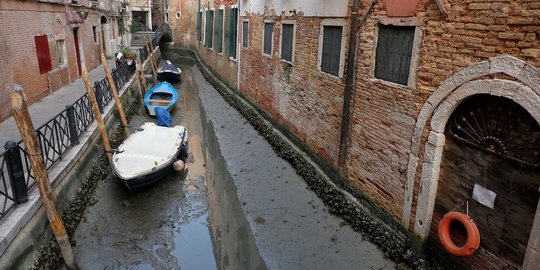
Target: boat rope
x,y
112,151
133,127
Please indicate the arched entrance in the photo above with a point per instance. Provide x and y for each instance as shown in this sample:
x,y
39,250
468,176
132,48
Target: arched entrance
x,y
490,168
106,37
525,91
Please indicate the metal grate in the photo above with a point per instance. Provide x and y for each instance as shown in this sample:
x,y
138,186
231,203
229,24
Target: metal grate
x,y
499,126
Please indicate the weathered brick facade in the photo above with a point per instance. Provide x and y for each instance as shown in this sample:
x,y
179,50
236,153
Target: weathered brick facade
x,y
57,20
397,131
21,21
183,21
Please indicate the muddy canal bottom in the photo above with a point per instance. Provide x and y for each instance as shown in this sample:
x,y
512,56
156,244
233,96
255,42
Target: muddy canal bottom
x,y
162,227
236,206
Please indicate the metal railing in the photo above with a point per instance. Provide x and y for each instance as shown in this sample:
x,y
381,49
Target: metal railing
x,y
59,134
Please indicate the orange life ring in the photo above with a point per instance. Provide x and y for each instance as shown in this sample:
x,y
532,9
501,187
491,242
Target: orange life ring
x,y
473,235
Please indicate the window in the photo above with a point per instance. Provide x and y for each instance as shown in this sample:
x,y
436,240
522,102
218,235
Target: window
x,y
268,37
331,49
230,33
394,53
43,53
245,32
94,33
218,31
60,49
287,41
121,27
199,26
209,28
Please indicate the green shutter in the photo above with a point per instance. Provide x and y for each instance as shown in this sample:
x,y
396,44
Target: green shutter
x,y
199,22
209,28
218,31
232,30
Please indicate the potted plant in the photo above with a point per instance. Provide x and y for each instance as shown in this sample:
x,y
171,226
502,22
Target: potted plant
x,y
129,55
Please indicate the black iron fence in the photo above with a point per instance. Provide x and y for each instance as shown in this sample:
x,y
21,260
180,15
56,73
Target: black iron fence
x,y
58,135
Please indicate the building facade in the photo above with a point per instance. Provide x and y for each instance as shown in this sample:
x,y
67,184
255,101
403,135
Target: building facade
x,y
192,23
141,12
426,107
160,13
45,44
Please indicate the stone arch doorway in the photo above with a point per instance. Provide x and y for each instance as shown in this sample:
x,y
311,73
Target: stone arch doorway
x,y
106,37
490,168
429,139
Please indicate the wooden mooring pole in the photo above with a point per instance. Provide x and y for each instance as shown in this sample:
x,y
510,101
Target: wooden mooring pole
x,y
140,77
26,128
115,94
97,113
152,60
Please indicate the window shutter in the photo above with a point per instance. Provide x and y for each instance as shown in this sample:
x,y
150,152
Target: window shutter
x,y
43,53
245,32
287,42
268,30
209,28
199,26
218,31
394,52
233,40
331,50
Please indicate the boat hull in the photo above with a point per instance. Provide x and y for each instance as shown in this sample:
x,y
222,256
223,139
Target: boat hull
x,y
162,95
146,180
168,77
146,156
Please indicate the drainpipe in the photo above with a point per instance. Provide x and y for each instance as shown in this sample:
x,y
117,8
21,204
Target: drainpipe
x,y
349,80
238,26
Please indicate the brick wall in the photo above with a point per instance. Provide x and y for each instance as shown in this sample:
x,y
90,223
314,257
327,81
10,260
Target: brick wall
x,y
305,100
309,102
19,68
183,21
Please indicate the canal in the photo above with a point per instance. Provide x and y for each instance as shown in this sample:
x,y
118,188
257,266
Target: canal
x,y
236,206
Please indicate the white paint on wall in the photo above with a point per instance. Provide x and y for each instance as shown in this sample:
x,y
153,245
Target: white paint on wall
x,y
312,8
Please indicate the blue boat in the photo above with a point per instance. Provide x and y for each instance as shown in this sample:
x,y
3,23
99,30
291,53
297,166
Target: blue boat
x,y
163,95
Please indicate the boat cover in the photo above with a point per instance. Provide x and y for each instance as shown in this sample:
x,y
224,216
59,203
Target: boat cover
x,y
148,150
170,68
163,117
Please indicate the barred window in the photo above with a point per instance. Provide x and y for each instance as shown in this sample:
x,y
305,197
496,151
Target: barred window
x,y
60,49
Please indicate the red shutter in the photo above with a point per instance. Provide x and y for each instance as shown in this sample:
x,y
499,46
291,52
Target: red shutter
x,y
43,54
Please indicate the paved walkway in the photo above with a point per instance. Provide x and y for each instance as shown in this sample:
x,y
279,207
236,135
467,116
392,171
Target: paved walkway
x,y
51,105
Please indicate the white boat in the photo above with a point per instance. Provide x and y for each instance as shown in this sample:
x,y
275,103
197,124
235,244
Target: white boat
x,y
147,155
